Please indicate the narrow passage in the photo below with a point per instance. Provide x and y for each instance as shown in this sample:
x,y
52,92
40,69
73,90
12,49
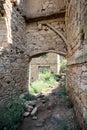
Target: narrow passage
x,y
55,111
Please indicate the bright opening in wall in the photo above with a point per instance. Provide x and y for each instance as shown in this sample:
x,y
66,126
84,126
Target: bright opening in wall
x,y
45,70
49,61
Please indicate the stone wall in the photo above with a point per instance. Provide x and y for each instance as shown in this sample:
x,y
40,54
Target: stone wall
x,y
13,61
43,8
48,60
20,41
41,38
76,24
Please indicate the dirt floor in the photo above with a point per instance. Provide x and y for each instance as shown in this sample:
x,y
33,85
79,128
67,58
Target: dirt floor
x,y
55,111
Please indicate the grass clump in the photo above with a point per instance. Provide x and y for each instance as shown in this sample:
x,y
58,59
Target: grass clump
x,y
63,66
12,115
66,97
57,77
45,76
39,86
45,81
29,97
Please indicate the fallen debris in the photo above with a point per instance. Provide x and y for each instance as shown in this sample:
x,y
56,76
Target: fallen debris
x,y
34,111
49,111
34,117
30,102
26,114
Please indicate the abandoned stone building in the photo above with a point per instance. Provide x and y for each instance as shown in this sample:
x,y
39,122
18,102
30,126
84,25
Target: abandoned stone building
x,y
46,62
29,28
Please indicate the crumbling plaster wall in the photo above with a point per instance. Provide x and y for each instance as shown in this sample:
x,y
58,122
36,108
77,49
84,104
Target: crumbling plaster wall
x,y
76,27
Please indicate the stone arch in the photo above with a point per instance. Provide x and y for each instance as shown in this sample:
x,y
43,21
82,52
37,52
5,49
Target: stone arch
x,y
44,38
36,54
47,60
57,32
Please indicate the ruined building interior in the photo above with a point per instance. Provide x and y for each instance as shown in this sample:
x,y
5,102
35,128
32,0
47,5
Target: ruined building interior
x,y
46,62
32,27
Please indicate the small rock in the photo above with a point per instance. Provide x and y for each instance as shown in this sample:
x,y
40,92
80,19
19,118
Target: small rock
x,y
63,77
34,117
30,103
34,111
56,116
29,108
26,114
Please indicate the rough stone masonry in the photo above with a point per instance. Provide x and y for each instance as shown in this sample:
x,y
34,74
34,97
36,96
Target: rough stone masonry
x,y
32,27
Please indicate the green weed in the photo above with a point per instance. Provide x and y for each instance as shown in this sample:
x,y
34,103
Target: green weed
x,y
39,86
29,97
57,77
45,81
63,66
12,115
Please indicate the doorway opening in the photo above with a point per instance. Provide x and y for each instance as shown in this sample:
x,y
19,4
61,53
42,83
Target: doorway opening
x,y
45,70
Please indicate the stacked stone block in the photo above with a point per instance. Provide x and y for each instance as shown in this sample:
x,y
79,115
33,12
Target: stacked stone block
x,y
13,61
77,57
